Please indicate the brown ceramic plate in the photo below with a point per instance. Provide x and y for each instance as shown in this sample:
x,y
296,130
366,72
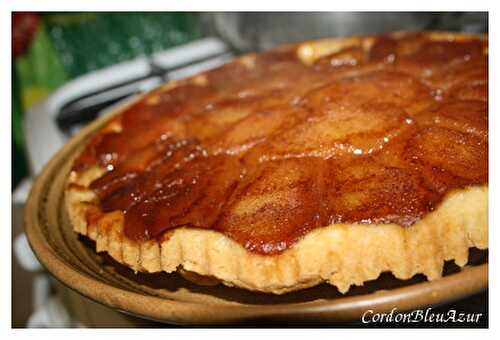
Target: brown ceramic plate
x,y
171,298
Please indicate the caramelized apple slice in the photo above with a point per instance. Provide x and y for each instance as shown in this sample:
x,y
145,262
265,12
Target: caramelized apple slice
x,y
223,173
463,155
256,128
470,117
389,195
341,131
430,57
125,195
280,202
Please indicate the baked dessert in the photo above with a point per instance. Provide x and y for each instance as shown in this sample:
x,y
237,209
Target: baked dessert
x,y
325,161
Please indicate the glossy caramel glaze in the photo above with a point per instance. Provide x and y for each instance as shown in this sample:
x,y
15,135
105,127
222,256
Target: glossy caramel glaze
x,y
270,147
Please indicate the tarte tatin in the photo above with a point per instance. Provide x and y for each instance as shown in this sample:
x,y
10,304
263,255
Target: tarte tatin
x,y
325,161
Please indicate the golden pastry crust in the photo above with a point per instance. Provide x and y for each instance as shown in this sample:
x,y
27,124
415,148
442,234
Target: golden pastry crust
x,y
340,254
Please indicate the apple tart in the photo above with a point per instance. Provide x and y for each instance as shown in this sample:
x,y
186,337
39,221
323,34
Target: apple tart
x,y
325,161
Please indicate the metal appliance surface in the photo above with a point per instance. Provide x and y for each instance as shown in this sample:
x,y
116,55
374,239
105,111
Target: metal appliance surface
x,y
262,30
